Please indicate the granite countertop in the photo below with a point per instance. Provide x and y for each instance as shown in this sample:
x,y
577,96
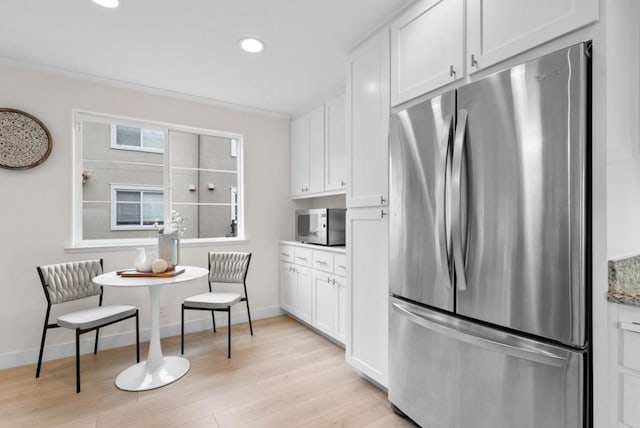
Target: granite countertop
x,y
624,281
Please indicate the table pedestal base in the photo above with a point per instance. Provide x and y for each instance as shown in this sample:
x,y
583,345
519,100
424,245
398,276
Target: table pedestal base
x,y
138,378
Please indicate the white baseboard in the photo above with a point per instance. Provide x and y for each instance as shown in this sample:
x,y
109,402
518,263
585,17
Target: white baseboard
x,y
60,350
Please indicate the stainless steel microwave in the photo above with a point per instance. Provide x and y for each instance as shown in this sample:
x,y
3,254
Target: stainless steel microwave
x,y
323,226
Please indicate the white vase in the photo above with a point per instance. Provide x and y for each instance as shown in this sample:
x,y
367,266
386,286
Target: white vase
x,y
144,259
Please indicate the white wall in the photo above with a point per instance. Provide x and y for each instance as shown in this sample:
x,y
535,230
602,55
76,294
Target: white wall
x,y
37,208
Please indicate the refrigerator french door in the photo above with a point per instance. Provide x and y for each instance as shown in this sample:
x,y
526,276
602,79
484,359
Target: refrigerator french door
x,y
488,250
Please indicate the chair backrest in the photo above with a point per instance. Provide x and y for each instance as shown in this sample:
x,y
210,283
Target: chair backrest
x,y
63,282
228,267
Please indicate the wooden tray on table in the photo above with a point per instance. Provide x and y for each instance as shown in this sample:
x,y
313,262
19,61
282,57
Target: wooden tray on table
x,y
132,273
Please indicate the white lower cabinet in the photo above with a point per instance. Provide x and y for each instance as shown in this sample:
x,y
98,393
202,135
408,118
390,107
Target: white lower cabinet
x,y
287,286
341,315
323,303
625,368
315,296
303,306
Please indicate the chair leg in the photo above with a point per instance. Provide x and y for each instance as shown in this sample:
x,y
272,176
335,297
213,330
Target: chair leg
x,y
182,331
77,360
95,347
213,318
137,338
44,336
229,332
249,315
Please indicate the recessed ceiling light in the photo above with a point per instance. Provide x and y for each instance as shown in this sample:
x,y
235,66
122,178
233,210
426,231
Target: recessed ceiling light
x,y
107,3
251,45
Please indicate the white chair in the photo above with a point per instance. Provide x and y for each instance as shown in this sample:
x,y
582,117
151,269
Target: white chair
x,y
224,267
64,282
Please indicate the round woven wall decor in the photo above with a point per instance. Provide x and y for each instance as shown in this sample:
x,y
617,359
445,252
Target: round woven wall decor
x,y
24,141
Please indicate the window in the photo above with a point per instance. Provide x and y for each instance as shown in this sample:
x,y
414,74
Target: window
x,y
137,138
136,207
131,174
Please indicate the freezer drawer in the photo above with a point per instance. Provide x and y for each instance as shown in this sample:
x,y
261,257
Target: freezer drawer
x,y
446,372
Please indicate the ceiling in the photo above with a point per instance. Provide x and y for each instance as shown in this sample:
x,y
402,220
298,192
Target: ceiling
x,y
190,47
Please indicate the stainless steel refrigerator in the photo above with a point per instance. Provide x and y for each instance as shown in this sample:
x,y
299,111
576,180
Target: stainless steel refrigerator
x,y
490,252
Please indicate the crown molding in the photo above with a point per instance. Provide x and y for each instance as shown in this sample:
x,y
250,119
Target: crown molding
x,y
57,71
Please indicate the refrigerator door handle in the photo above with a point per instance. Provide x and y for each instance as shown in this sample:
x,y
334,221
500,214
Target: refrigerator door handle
x,y
445,241
476,339
456,203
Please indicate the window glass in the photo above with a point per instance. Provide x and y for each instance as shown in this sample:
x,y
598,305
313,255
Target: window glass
x,y
205,182
152,139
152,207
128,136
127,208
124,194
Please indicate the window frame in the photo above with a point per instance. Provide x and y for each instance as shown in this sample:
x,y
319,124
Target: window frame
x,y
140,188
77,240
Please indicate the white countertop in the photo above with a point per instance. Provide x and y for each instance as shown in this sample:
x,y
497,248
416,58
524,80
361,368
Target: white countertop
x,y
337,249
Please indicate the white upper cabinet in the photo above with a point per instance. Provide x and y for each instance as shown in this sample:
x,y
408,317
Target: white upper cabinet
x,y
318,163
335,169
428,40
299,156
427,48
368,112
316,150
499,29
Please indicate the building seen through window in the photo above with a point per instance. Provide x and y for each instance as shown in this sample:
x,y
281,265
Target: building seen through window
x,y
134,174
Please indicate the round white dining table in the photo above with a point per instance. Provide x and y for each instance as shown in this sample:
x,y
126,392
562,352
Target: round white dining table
x,y
157,370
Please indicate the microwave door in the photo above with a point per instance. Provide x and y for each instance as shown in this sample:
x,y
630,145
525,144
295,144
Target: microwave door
x,y
303,225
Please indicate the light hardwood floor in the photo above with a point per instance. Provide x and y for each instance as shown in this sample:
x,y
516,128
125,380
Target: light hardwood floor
x,y
284,376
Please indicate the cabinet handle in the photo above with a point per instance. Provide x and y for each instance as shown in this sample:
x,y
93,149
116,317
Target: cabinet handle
x,y
301,258
334,282
328,280
285,254
630,326
342,266
474,63
382,200
382,213
452,72
342,183
322,262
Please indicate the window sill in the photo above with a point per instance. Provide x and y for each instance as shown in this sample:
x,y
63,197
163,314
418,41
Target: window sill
x,y
92,246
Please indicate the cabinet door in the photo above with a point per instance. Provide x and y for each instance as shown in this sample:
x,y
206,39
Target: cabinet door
x,y
335,169
426,48
287,287
316,150
299,156
340,326
323,303
630,414
303,293
368,296
368,123
499,29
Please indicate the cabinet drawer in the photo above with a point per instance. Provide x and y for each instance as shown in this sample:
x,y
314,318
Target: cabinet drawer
x,y
323,261
303,256
630,345
340,264
286,253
